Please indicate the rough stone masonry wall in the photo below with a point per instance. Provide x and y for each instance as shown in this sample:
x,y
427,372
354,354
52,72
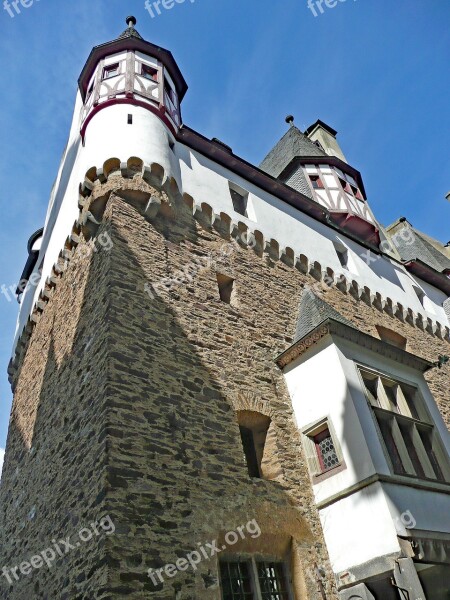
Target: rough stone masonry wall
x,y
54,476
171,371
182,364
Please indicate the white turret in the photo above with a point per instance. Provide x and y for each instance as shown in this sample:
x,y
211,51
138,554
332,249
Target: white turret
x,y
128,104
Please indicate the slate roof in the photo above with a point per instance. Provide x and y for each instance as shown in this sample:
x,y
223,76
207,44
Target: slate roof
x,y
413,244
130,32
294,143
312,312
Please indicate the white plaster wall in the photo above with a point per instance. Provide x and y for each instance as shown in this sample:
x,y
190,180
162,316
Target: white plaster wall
x,y
318,388
359,528
410,510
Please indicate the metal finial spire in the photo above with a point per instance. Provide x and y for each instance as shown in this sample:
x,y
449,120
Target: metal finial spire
x,y
131,21
290,120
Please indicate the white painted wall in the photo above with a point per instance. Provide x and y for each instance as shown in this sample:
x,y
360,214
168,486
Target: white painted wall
x,y
359,528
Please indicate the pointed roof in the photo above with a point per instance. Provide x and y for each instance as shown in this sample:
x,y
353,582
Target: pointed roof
x,y
312,312
130,31
413,245
293,144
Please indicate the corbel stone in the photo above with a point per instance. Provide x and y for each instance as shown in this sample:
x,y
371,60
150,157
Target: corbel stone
x,y
302,264
410,316
389,307
288,256
153,206
272,247
315,270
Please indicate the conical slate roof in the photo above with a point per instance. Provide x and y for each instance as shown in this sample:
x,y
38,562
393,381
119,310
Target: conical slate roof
x,y
293,144
312,312
130,31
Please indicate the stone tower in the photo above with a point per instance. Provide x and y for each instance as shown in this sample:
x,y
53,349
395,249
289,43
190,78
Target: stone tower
x,y
203,365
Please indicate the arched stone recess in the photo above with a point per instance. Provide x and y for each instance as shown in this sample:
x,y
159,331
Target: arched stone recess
x,y
267,526
252,402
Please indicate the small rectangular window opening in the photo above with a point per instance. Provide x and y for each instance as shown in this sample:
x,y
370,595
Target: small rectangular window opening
x,y
149,72
240,201
111,71
226,287
130,119
251,457
420,295
316,182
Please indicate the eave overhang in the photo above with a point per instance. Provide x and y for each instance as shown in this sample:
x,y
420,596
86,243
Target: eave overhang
x,y
420,269
331,327
132,43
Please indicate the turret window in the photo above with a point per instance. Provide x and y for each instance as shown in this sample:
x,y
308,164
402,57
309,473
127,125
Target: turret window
x,y
149,72
111,71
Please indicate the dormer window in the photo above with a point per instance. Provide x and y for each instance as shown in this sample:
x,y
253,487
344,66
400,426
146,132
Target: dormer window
x,y
111,71
316,182
149,72
345,185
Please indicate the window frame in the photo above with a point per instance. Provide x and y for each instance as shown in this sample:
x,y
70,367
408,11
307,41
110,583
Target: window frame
x,y
252,561
309,435
145,72
107,68
406,453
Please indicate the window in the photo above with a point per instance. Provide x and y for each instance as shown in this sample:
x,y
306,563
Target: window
x,y
410,439
130,120
253,428
226,288
345,185
342,254
326,452
169,91
254,580
90,90
420,294
111,71
240,199
149,72
316,182
322,450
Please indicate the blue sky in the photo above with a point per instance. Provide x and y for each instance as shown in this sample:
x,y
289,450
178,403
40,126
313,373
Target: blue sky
x,y
375,70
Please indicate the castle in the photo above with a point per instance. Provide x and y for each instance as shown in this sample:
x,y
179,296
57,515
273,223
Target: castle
x,y
230,382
